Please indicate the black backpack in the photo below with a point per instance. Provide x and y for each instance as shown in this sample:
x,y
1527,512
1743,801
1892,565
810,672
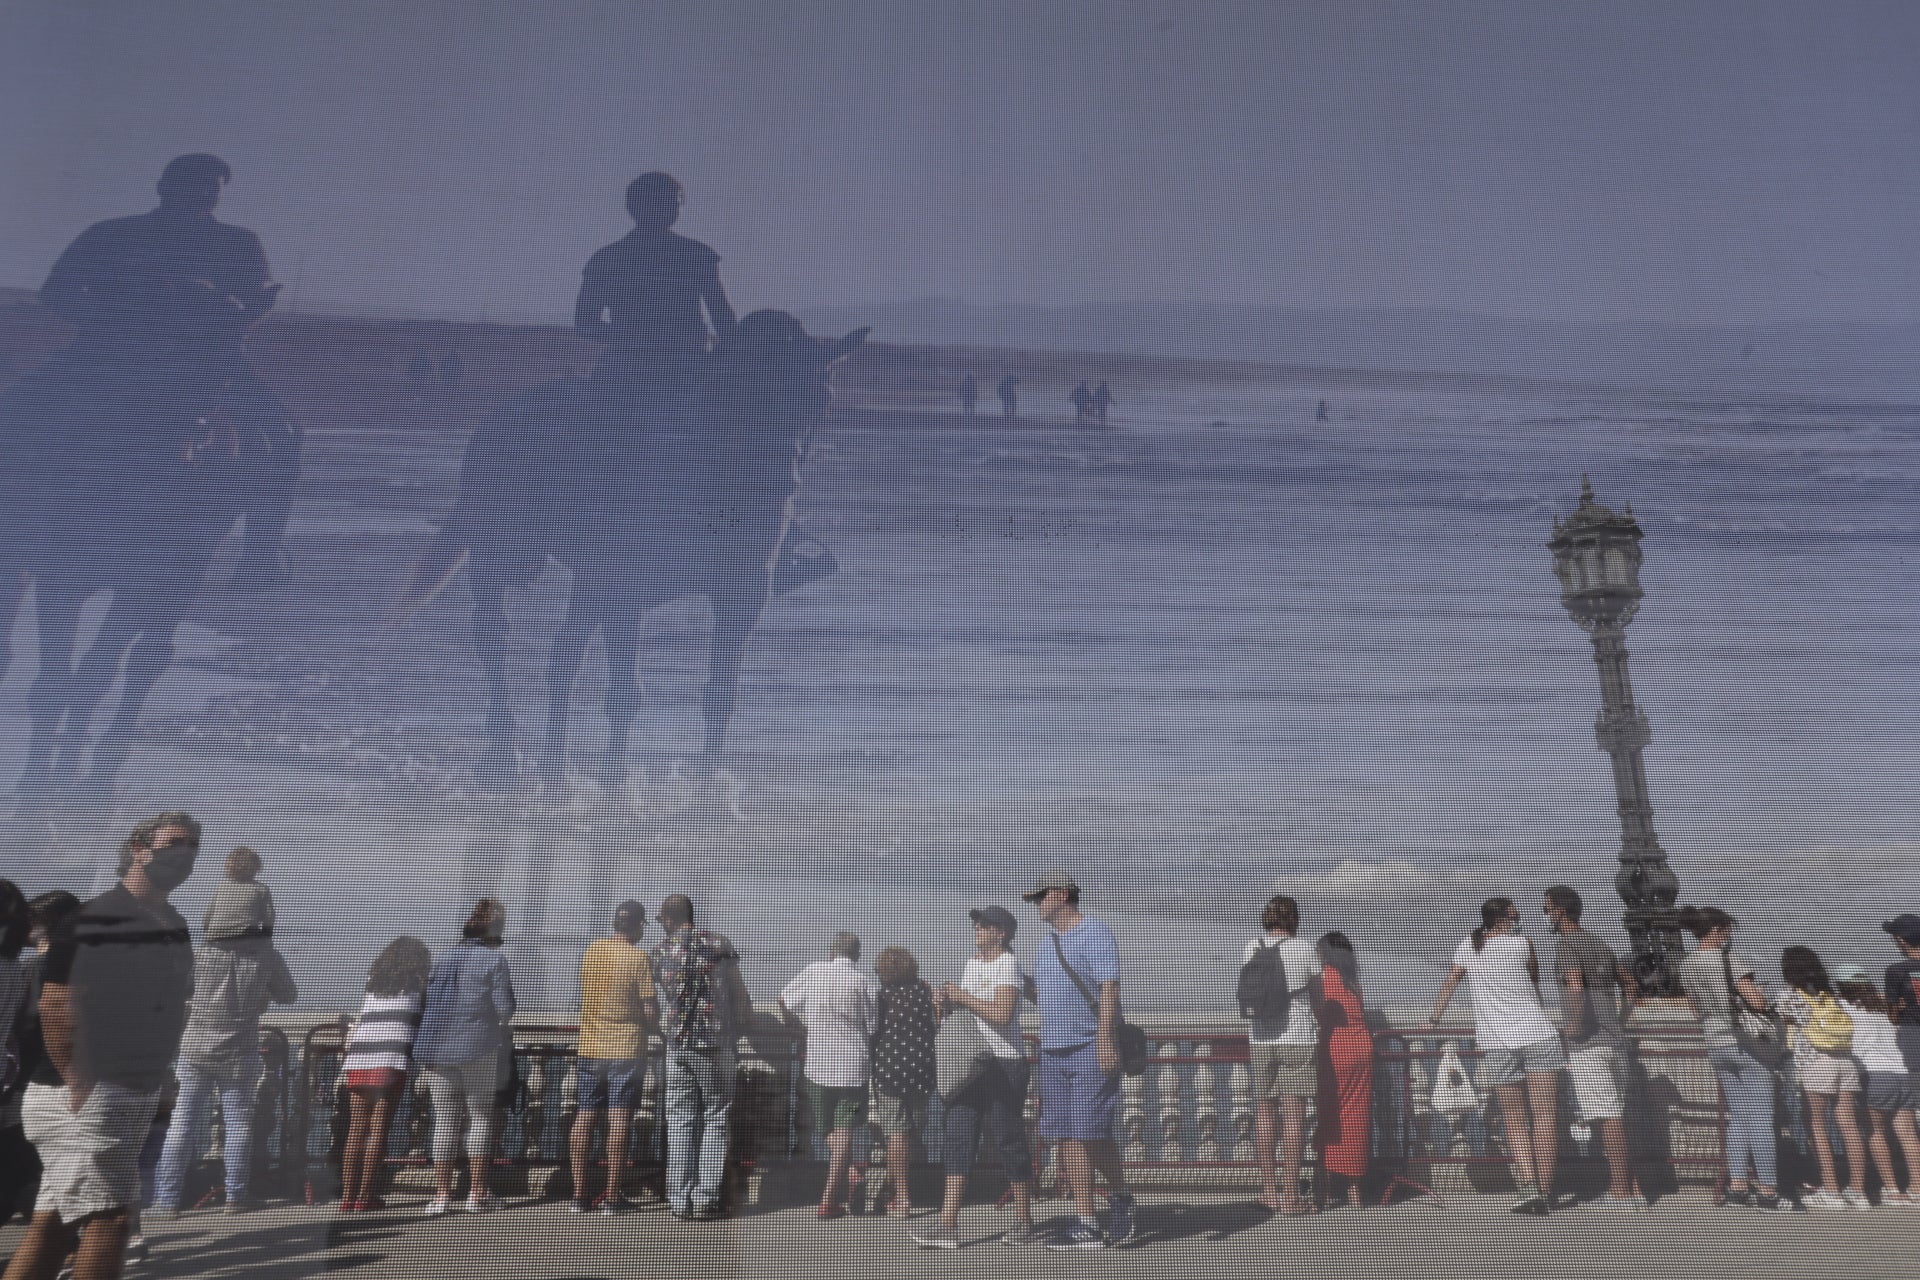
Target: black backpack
x,y
1262,991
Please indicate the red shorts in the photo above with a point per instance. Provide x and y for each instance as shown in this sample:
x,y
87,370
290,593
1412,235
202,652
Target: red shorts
x,y
377,1079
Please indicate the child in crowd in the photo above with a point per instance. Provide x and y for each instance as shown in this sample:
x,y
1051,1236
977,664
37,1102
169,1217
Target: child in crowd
x,y
379,1051
1890,1088
1823,1061
241,907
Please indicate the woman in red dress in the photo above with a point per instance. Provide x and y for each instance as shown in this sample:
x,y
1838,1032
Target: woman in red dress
x,y
1344,1132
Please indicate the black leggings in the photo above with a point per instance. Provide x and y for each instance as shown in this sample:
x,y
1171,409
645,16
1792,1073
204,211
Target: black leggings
x,y
996,1103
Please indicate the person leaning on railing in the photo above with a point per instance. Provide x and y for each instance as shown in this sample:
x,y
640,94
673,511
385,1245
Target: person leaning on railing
x,y
465,1043
1730,1006
379,1051
618,1008
1524,1053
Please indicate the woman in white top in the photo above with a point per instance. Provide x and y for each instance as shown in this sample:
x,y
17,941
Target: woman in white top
x,y
1890,1093
1523,1050
990,988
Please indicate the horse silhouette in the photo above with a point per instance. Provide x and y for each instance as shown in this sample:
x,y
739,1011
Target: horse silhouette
x,y
122,481
696,502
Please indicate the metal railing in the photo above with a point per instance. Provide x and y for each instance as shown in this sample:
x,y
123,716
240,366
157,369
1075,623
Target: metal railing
x,y
1189,1117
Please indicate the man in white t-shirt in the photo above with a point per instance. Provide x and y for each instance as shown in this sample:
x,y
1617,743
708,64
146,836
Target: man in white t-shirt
x,y
1281,1049
840,1008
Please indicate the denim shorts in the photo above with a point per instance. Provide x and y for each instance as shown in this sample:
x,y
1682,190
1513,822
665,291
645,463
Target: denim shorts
x,y
1078,1100
1892,1091
1511,1066
610,1083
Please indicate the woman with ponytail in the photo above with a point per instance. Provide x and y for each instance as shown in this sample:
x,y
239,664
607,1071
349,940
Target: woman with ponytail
x,y
1523,1050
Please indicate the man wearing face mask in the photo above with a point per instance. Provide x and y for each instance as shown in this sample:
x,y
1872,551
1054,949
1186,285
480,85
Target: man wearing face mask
x,y
113,1004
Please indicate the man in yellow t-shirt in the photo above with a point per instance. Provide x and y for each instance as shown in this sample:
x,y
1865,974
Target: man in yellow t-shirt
x,y
617,1011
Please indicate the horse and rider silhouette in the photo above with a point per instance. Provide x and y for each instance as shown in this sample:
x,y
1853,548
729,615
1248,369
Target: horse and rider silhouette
x,y
130,455
669,471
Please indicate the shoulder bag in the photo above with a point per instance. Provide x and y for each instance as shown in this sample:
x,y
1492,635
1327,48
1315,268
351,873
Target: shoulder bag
x,y
1761,1034
1128,1040
960,1053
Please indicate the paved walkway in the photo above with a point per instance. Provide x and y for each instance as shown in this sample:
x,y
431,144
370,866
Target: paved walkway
x,y
1181,1236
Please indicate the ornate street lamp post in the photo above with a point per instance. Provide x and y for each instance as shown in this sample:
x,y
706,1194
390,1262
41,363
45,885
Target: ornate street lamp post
x,y
1596,554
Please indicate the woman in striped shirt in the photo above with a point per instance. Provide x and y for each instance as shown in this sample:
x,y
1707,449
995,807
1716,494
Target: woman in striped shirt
x,y
379,1051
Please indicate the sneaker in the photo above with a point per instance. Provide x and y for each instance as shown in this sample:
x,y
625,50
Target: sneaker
x,y
1531,1206
580,1206
1078,1235
1898,1200
710,1212
1741,1199
614,1206
935,1236
828,1212
483,1204
684,1213
136,1253
1020,1235
1823,1200
1858,1199
439,1207
1772,1204
1120,1218
348,1206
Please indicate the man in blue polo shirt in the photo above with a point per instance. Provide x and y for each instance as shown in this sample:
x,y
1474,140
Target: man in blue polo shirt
x,y
1079,1061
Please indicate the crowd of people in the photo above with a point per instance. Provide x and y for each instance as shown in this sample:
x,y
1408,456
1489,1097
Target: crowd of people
x,y
122,1035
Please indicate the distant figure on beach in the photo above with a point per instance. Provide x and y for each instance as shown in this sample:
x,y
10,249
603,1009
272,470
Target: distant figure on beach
x,y
1009,399
1082,401
1320,413
650,298
969,395
163,301
1102,401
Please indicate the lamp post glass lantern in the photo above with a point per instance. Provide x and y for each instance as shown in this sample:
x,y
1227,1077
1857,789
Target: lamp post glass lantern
x,y
1596,555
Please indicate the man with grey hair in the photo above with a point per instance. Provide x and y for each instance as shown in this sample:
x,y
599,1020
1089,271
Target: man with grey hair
x,y
840,1008
113,1004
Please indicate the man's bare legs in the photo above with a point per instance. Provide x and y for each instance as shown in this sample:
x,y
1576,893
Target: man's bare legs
x,y
98,1245
1282,1123
839,1155
1081,1160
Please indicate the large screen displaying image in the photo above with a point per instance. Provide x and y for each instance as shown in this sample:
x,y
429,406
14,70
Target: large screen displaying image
x,y
848,464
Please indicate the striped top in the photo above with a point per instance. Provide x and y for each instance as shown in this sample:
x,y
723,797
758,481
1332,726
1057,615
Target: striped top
x,y
383,1034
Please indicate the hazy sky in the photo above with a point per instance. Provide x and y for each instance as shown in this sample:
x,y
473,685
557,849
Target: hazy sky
x,y
1728,161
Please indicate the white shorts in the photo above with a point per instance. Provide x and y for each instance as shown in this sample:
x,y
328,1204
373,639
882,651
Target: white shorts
x,y
1598,1073
91,1159
1829,1074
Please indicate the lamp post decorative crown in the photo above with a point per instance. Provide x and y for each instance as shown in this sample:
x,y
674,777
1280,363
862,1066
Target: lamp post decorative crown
x,y
1596,555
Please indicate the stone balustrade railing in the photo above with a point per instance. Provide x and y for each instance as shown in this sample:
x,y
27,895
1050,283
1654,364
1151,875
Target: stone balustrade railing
x,y
1187,1120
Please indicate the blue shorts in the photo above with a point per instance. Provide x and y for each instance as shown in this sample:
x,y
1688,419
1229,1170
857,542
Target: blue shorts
x,y
610,1083
1078,1100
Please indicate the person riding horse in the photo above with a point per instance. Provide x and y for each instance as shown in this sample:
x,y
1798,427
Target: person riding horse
x,y
163,301
643,297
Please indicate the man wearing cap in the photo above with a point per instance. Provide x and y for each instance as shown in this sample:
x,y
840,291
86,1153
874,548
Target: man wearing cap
x,y
1903,985
617,1010
1079,1059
